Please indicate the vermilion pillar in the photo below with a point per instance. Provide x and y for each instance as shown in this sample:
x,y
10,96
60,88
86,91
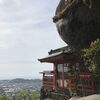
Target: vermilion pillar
x,y
55,75
63,75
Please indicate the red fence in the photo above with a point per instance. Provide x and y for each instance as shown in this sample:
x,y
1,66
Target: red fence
x,y
48,81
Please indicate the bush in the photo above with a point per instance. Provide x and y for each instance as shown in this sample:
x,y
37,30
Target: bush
x,y
91,56
3,98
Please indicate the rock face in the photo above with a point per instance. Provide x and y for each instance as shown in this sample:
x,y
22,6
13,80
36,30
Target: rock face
x,y
78,22
91,97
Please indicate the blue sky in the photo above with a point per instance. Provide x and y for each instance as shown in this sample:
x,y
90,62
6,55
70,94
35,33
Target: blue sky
x,y
26,34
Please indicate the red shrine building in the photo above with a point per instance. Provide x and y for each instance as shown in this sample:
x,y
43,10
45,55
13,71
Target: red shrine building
x,y
69,75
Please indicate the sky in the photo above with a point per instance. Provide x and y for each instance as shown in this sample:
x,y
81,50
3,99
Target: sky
x,y
27,33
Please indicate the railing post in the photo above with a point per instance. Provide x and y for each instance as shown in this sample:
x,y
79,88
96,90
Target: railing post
x,y
63,75
43,79
55,75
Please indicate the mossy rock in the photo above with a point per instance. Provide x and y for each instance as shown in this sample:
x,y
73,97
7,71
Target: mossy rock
x,y
80,23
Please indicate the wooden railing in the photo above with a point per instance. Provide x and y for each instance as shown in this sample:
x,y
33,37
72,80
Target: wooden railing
x,y
48,81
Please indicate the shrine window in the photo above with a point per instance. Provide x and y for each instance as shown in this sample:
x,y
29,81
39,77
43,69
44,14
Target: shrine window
x,y
60,71
65,71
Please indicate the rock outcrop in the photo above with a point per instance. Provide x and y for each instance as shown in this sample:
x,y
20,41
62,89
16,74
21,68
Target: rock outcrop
x,y
78,22
91,97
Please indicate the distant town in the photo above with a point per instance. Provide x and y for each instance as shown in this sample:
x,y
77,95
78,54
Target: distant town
x,y
11,87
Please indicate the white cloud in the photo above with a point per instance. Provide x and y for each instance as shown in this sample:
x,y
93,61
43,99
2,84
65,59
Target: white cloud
x,y
25,26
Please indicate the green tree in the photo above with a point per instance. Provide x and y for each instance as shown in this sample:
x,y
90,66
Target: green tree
x,y
3,98
26,95
91,55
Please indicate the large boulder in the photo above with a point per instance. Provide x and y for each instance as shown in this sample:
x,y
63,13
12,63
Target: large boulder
x,y
78,22
91,97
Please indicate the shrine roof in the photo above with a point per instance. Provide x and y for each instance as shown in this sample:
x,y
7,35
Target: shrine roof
x,y
47,72
59,55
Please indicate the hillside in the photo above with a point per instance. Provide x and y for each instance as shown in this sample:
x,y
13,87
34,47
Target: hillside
x,y
21,80
9,87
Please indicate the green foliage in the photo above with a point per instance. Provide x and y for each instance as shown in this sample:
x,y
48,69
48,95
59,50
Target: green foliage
x,y
22,95
91,56
3,98
26,95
